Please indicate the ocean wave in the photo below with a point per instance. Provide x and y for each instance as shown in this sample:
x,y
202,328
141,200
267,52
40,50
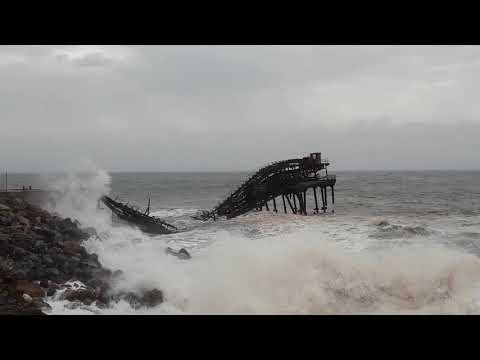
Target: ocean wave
x,y
385,230
302,273
265,263
173,212
470,235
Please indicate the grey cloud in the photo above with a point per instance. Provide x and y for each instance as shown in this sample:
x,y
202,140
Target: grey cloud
x,y
93,59
238,107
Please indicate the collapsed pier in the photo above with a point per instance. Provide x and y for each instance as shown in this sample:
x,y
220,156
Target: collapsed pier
x,y
289,180
143,220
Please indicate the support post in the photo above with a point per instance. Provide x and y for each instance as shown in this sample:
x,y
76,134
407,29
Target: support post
x,y
284,206
289,203
294,203
333,199
274,205
326,200
266,205
323,198
305,201
300,202
316,200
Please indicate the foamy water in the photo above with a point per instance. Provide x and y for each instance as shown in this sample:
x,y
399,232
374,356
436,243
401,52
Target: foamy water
x,y
265,263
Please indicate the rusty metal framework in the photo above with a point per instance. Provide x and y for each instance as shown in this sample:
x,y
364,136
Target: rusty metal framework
x,y
149,224
288,179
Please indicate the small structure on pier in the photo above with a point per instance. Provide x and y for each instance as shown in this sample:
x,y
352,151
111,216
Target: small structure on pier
x,y
288,179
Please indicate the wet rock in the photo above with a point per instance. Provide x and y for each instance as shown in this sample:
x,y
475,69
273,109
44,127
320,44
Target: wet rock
x,y
41,305
152,298
90,231
51,291
132,299
148,298
90,263
86,296
45,247
4,244
23,220
22,240
29,288
72,247
5,219
47,260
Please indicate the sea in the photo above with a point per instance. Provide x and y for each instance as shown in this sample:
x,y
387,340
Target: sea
x,y
396,242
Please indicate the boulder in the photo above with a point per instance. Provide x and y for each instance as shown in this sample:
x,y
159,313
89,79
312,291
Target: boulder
x,y
22,239
152,298
86,296
90,231
5,219
29,288
23,220
148,298
72,247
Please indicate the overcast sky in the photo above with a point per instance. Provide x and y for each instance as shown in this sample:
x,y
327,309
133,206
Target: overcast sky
x,y
193,108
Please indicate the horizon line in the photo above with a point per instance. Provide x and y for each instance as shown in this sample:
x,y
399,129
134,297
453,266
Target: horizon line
x,y
229,171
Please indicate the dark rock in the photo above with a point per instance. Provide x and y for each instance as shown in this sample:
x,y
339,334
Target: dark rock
x,y
152,298
96,283
18,253
52,272
148,298
21,239
45,247
3,300
82,274
21,274
51,291
90,263
6,219
23,220
72,247
4,208
82,295
47,260
117,274
33,290
42,305
133,299
4,244
90,231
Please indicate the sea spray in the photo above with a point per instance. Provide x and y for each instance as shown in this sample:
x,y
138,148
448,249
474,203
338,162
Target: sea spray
x,y
77,194
300,273
296,269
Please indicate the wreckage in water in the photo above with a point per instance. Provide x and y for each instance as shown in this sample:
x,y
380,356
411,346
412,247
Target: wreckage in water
x,y
146,223
287,179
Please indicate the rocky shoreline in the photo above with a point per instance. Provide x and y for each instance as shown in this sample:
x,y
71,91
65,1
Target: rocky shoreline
x,y
41,255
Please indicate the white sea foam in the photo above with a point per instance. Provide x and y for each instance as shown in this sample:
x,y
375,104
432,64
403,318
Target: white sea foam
x,y
276,264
